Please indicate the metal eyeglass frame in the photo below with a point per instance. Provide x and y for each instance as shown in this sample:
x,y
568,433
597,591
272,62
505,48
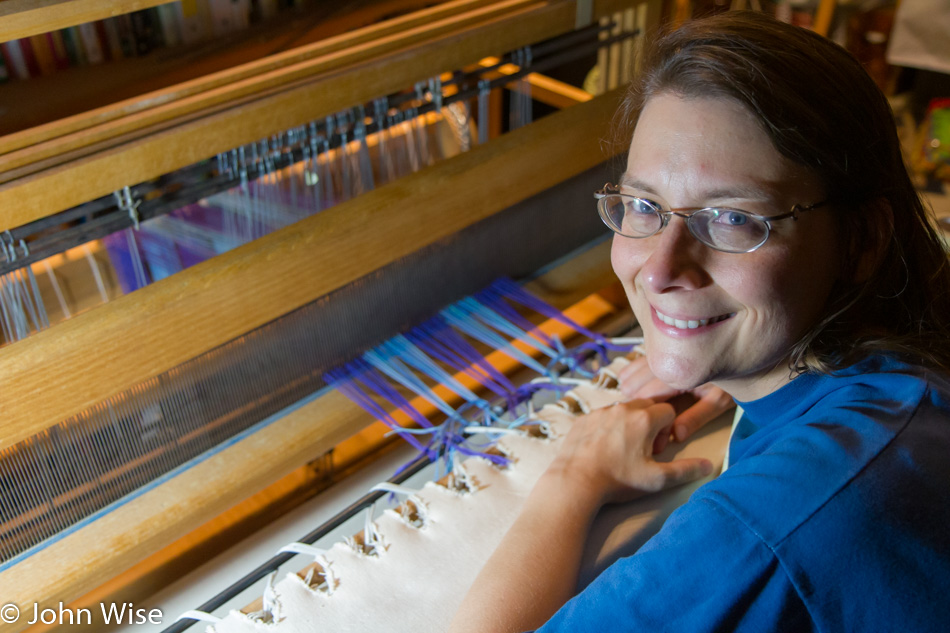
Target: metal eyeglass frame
x,y
612,190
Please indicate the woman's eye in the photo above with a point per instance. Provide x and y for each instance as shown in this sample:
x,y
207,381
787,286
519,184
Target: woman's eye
x,y
732,218
636,205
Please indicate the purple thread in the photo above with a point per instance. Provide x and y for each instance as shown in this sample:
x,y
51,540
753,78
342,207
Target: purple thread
x,y
345,381
444,344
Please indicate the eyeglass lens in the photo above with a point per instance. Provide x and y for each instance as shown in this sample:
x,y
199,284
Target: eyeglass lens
x,y
723,229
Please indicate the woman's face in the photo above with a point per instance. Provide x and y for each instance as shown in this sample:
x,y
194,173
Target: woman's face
x,y
712,152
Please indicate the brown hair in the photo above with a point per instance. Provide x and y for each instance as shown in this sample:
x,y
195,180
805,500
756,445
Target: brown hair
x,y
821,109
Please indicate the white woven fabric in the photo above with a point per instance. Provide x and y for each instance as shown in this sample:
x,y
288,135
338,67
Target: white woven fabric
x,y
419,579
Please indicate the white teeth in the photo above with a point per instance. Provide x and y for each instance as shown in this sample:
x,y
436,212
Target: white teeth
x,y
690,325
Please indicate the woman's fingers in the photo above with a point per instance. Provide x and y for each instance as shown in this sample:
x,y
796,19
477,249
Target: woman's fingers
x,y
712,403
609,452
662,439
637,380
631,376
656,389
662,416
680,471
638,473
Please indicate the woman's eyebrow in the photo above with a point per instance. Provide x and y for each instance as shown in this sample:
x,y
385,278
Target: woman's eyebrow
x,y
742,192
626,181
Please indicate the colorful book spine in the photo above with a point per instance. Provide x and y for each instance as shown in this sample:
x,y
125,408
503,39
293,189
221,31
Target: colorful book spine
x,y
43,53
74,48
222,17
30,55
58,47
170,23
126,34
142,31
108,31
240,14
91,44
192,23
15,60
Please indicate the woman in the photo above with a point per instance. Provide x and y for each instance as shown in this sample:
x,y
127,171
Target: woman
x,y
798,273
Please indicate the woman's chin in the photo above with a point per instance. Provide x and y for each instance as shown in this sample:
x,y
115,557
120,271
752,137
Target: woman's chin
x,y
677,374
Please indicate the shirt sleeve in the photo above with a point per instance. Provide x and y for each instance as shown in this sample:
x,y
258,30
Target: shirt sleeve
x,y
704,571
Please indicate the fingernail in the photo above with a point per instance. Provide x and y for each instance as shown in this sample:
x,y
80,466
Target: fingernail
x,y
707,468
680,432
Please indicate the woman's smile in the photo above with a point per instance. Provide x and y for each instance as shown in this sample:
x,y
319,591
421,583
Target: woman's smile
x,y
690,323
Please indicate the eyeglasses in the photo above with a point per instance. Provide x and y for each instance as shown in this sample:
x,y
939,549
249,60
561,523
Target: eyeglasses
x,y
722,228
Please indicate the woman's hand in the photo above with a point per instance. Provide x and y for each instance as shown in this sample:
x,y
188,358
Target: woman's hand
x,y
637,381
607,455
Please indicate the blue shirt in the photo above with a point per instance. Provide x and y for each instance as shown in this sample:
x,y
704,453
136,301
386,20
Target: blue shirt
x,y
834,516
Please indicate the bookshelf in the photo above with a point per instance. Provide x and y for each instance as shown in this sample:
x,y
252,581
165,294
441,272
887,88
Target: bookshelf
x,y
25,18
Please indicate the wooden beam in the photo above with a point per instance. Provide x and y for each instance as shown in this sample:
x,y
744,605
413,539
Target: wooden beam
x,y
544,89
58,372
554,92
826,11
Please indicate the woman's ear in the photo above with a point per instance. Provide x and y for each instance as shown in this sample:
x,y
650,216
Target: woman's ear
x,y
869,243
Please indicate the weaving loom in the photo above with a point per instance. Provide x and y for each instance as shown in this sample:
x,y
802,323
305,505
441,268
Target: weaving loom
x,y
409,569
180,268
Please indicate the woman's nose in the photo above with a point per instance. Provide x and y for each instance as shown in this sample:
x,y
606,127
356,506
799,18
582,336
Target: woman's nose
x,y
676,260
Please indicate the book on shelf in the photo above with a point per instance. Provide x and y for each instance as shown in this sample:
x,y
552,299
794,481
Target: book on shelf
x,y
43,54
126,34
144,33
170,23
109,37
15,60
192,22
91,44
74,48
58,48
33,66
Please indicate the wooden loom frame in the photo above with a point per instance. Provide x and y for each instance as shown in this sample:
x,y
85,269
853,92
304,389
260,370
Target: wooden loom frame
x,y
262,280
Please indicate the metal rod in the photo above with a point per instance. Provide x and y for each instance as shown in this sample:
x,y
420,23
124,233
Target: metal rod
x,y
273,563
